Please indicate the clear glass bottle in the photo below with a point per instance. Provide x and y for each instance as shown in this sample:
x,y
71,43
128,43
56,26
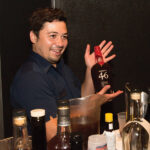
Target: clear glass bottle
x,y
38,129
134,134
147,117
109,122
20,133
62,140
100,71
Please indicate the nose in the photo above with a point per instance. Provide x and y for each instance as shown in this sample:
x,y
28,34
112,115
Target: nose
x,y
60,41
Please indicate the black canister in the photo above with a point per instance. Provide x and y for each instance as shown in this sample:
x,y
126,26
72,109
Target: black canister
x,y
38,129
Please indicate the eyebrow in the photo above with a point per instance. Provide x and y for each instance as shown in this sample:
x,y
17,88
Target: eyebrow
x,y
57,33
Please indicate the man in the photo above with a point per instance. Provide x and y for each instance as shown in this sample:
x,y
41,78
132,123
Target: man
x,y
44,78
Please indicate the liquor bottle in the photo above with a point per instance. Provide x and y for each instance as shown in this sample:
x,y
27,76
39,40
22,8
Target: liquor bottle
x,y
135,134
62,140
100,71
109,122
109,134
38,129
21,140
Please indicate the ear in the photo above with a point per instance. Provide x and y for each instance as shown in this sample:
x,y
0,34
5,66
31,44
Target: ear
x,y
33,37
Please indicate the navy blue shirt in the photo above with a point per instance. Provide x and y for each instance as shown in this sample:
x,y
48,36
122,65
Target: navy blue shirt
x,y
38,84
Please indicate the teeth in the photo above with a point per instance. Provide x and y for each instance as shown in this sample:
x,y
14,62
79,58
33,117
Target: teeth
x,y
57,50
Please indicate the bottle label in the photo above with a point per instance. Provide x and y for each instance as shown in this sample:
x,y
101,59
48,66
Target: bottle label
x,y
110,126
103,147
103,75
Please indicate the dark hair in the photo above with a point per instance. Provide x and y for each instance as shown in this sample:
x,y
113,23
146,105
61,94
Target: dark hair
x,y
40,16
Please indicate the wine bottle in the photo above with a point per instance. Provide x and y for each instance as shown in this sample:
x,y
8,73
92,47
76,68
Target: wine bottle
x,y
100,71
62,140
20,133
38,129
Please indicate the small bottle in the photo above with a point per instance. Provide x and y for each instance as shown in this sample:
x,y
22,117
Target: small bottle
x,y
21,140
38,129
100,71
109,122
109,134
62,140
135,134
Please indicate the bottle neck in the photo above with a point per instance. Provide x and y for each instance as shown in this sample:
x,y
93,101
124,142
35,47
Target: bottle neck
x,y
20,134
63,130
98,55
20,127
109,126
137,115
64,125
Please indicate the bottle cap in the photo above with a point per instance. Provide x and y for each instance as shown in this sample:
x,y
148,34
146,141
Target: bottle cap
x,y
19,121
98,55
37,112
135,96
108,117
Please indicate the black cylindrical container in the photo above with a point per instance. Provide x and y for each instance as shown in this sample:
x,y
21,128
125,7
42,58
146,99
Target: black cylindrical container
x,y
38,129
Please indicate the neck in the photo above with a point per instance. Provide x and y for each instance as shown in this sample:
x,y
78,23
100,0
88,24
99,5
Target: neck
x,y
63,130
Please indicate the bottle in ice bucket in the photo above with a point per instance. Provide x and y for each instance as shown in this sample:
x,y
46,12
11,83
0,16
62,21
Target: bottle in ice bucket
x,y
62,140
135,134
109,122
38,129
20,133
100,71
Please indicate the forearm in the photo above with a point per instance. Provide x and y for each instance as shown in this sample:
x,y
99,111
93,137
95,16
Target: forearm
x,y
87,86
51,128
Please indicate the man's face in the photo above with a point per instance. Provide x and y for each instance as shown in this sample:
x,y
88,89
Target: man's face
x,y
52,41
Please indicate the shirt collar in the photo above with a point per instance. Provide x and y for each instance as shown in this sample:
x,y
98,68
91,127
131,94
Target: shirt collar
x,y
46,65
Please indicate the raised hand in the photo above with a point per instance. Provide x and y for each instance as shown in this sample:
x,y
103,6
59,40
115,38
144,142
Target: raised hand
x,y
106,48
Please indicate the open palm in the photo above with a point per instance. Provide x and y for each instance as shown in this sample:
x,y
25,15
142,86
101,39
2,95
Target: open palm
x,y
106,48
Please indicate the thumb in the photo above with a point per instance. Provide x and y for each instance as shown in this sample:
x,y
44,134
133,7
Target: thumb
x,y
87,50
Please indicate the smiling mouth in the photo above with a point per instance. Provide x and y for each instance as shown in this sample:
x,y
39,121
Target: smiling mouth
x,y
57,52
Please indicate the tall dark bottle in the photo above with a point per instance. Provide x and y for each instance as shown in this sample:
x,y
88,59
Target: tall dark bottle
x,y
62,140
100,71
38,129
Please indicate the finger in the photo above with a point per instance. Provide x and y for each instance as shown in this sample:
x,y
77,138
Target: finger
x,y
108,50
106,46
113,95
87,51
104,90
109,58
102,44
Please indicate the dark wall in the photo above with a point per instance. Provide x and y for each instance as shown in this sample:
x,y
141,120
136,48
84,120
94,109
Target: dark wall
x,y
15,45
126,24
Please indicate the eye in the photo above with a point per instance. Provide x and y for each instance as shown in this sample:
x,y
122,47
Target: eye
x,y
52,36
65,37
